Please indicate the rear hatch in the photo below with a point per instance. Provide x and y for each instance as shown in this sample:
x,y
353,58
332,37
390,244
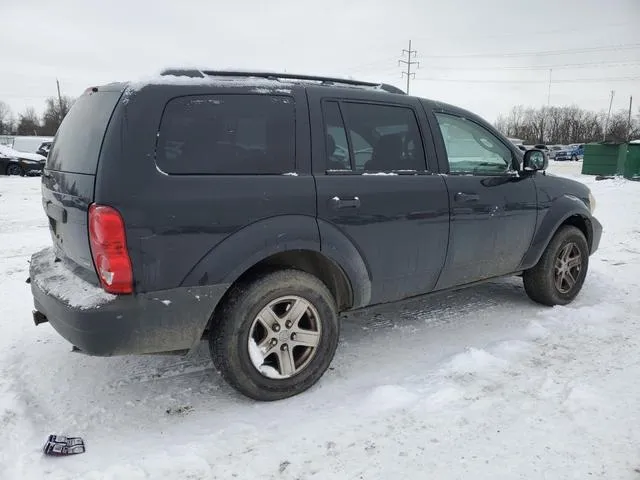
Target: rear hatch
x,y
69,176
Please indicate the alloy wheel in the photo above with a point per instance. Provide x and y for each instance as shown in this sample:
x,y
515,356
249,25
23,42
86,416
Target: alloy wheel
x,y
284,337
567,267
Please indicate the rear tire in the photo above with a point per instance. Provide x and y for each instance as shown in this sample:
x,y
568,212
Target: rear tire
x,y
274,363
559,275
16,170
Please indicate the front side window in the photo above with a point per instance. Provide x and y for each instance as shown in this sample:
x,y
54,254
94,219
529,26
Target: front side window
x,y
227,134
472,149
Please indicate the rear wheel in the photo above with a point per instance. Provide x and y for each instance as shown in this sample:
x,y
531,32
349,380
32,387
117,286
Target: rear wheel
x,y
14,169
276,335
559,275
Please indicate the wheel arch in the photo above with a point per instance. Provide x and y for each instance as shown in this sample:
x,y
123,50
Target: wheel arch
x,y
309,261
568,210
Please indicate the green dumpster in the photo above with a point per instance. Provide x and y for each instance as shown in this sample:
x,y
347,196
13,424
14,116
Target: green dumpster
x,y
632,165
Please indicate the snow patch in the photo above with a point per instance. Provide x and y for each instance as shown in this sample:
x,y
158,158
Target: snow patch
x,y
511,349
166,302
581,398
257,358
261,90
387,397
210,80
444,397
535,331
474,360
380,174
55,279
291,174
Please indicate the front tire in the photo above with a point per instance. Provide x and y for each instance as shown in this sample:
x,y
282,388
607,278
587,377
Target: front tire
x,y
559,275
275,336
13,169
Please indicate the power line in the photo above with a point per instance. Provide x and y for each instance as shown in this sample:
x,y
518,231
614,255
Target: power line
x,y
408,63
607,64
576,80
629,46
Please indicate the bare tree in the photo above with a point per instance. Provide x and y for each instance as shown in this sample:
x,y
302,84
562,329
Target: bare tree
x,y
54,113
6,119
564,125
29,123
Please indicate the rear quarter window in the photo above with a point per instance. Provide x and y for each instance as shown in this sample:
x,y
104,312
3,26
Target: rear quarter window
x,y
227,134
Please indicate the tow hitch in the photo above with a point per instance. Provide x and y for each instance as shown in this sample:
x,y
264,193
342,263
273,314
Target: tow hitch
x,y
39,318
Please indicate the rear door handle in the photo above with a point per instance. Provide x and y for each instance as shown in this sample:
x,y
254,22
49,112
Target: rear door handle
x,y
466,197
337,202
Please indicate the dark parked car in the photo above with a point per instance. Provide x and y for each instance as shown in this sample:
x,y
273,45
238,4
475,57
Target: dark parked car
x,y
13,162
44,149
252,209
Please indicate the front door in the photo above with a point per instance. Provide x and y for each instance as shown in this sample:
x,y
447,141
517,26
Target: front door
x,y
493,207
374,187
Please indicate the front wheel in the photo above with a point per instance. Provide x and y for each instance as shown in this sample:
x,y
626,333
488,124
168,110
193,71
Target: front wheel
x,y
559,275
275,336
13,169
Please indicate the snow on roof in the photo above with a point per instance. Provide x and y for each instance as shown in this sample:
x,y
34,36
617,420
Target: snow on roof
x,y
261,84
207,80
10,152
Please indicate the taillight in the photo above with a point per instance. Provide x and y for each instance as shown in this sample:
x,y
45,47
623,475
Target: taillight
x,y
109,249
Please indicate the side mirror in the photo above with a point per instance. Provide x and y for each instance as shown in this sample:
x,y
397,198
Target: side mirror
x,y
535,160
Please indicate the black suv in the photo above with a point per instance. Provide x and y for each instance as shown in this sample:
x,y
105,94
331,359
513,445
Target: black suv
x,y
252,208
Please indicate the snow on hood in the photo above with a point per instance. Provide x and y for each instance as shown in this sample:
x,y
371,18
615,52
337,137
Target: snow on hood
x,y
10,152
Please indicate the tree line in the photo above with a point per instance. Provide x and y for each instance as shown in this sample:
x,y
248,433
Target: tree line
x,y
565,125
29,122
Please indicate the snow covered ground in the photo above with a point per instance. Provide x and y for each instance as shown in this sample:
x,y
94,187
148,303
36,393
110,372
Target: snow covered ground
x,y
476,384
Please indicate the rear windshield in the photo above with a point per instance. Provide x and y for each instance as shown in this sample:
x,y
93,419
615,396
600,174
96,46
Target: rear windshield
x,y
227,134
76,146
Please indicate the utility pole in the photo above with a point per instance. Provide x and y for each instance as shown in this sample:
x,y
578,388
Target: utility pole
x,y
59,99
408,62
629,120
549,95
606,123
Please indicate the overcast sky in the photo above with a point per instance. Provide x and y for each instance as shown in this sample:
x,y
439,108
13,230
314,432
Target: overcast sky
x,y
482,55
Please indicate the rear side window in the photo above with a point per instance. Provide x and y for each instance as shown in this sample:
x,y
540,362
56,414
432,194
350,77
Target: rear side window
x,y
227,134
382,138
77,144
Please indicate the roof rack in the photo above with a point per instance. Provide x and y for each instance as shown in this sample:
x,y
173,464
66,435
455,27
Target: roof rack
x,y
195,73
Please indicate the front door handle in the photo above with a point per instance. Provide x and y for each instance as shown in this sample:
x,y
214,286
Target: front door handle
x,y
337,202
466,197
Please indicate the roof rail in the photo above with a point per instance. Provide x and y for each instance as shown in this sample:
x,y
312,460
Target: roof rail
x,y
195,73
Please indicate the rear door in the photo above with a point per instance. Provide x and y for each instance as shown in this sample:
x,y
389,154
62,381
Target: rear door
x,y
69,174
375,187
493,207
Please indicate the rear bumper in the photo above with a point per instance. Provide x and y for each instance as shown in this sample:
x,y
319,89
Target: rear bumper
x,y
105,325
